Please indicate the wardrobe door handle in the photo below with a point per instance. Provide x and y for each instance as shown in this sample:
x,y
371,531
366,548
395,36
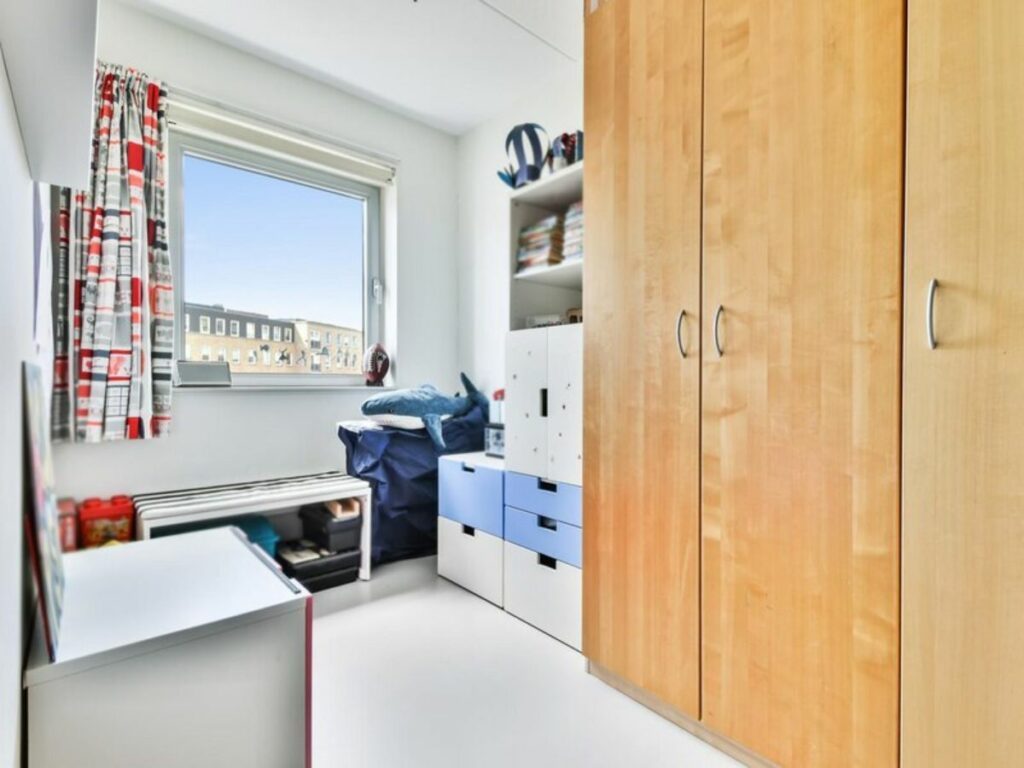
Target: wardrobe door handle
x,y
718,322
929,314
679,333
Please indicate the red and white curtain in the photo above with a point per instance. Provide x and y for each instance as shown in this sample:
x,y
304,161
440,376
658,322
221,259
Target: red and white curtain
x,y
113,292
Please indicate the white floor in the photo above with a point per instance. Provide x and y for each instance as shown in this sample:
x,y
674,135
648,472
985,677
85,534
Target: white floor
x,y
410,671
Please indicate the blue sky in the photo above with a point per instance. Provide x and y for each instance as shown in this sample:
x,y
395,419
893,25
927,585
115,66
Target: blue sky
x,y
262,244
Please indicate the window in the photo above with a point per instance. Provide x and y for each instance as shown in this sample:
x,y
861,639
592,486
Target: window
x,y
186,322
288,240
222,355
205,355
252,357
204,324
236,356
266,356
219,326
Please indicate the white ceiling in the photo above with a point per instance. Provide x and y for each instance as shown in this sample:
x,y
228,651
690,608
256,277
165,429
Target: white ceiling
x,y
450,63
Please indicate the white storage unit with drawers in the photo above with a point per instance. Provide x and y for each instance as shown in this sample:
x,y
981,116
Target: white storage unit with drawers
x,y
470,526
544,555
543,514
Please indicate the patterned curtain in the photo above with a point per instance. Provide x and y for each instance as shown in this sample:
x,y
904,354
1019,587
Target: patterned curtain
x,y
113,292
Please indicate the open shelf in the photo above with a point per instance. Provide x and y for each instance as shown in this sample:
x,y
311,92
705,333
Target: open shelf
x,y
555,192
568,274
543,290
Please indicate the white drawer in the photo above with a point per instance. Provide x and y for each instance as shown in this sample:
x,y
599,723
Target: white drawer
x,y
549,598
470,558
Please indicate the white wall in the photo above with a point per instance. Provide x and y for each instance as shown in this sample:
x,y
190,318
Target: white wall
x,y
484,223
16,345
230,436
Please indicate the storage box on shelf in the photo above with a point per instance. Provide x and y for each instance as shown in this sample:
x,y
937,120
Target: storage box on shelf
x,y
470,526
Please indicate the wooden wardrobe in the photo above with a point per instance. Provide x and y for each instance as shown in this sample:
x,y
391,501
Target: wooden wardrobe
x,y
963,407
744,191
642,105
804,372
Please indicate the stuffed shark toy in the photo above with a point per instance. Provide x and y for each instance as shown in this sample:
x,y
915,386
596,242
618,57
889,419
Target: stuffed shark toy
x,y
428,404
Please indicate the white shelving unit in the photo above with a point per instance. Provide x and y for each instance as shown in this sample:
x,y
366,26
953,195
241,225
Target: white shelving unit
x,y
543,290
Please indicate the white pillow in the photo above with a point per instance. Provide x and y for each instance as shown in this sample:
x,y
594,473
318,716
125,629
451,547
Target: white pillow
x,y
396,421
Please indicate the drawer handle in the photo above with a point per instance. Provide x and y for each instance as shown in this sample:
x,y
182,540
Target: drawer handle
x,y
544,403
547,562
469,530
468,467
547,485
547,523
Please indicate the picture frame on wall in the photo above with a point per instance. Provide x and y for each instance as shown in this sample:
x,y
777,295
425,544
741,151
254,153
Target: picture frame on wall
x,y
42,526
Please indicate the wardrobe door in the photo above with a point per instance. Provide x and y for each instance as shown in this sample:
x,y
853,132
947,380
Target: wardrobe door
x,y
801,382
963,516
641,354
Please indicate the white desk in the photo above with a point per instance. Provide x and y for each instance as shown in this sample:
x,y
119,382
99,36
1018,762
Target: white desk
x,y
184,650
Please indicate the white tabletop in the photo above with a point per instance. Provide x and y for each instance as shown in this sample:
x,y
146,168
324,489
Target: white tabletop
x,y
123,600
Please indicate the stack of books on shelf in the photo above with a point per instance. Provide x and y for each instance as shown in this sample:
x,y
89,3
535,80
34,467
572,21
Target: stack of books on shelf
x,y
540,245
572,241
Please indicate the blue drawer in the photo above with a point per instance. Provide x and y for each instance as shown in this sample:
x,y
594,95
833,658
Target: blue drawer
x,y
560,501
471,495
545,535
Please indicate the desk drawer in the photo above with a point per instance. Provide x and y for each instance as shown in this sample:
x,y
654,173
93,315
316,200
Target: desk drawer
x,y
545,535
559,501
545,593
471,494
471,558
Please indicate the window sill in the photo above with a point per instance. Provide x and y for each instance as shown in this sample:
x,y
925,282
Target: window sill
x,y
287,388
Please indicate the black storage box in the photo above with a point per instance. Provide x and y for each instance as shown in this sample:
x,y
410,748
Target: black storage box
x,y
329,532
332,579
303,559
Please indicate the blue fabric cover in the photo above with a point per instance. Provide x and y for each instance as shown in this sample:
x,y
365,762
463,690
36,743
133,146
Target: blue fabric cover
x,y
401,466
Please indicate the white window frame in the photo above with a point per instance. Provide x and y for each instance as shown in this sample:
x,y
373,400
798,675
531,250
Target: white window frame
x,y
270,163
288,335
220,326
250,330
204,327
277,333
233,328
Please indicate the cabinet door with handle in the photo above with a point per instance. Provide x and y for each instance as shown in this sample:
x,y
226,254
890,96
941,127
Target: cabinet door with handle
x,y
801,378
963,516
565,404
526,402
641,440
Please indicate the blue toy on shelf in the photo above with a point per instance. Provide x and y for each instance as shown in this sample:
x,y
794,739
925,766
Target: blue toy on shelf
x,y
522,171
